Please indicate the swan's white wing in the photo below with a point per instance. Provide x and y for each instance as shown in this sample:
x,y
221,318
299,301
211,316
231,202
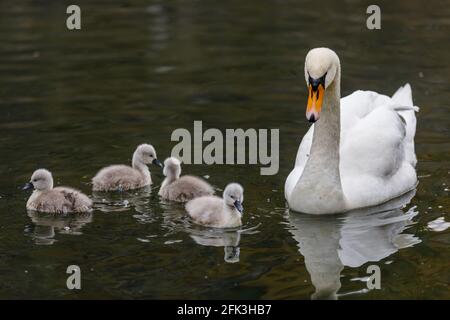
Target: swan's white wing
x,y
377,146
357,107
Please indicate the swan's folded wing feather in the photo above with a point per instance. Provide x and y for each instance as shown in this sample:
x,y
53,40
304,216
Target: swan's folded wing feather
x,y
377,151
357,106
373,145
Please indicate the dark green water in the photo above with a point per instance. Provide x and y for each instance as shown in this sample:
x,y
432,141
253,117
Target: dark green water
x,y
75,101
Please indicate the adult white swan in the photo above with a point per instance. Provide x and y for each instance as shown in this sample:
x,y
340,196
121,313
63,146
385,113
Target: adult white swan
x,y
360,152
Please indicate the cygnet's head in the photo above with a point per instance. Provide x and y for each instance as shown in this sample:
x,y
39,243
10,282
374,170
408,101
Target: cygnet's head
x,y
146,154
40,180
321,67
172,168
233,196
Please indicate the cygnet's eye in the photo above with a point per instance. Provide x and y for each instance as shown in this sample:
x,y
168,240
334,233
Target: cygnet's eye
x,y
35,180
232,197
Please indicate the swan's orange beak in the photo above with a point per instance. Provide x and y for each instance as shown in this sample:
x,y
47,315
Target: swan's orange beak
x,y
315,98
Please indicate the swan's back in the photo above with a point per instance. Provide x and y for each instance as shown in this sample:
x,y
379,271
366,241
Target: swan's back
x,y
186,188
119,177
208,210
60,200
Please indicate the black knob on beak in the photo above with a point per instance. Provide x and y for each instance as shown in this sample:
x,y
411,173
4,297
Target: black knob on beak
x,y
316,82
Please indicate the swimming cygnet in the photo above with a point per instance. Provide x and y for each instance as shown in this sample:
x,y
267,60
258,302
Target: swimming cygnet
x,y
122,177
45,198
181,189
216,212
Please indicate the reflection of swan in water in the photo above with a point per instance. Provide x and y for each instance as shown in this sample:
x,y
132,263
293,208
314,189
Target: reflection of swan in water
x,y
45,225
328,243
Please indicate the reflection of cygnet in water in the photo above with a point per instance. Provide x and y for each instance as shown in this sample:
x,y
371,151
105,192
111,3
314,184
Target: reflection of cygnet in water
x,y
219,238
123,201
328,243
46,223
181,189
216,212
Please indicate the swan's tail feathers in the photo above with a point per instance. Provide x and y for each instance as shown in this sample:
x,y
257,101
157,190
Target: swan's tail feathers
x,y
403,96
403,104
405,108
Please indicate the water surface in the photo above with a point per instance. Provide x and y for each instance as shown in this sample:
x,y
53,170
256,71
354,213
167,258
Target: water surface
x,y
75,101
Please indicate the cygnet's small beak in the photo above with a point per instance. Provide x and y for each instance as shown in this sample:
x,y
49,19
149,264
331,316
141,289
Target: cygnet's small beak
x,y
238,206
28,186
158,163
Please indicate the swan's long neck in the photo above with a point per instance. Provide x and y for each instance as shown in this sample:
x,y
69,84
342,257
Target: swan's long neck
x,y
320,183
140,166
168,180
34,195
171,177
324,153
233,213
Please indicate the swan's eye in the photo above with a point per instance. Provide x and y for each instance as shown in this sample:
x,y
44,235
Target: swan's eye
x,y
232,197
